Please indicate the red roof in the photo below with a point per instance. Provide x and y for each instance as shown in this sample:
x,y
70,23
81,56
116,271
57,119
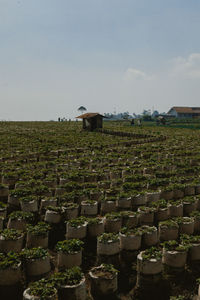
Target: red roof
x,y
186,110
89,115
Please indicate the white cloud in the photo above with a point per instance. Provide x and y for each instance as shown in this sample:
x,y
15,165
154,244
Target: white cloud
x,y
186,67
135,74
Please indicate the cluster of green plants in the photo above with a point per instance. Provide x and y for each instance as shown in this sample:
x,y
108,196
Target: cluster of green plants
x,y
70,246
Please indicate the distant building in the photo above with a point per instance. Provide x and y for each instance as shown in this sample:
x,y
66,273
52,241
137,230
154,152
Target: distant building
x,y
155,114
91,121
184,112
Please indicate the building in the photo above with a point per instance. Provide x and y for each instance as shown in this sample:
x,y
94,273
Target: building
x,y
184,112
91,121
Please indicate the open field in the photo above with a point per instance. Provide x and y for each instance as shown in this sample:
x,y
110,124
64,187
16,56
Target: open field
x,y
126,196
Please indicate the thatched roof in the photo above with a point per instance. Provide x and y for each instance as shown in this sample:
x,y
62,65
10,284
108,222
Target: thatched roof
x,y
89,116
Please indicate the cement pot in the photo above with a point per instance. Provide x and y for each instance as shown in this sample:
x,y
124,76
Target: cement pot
x,y
175,259
187,227
176,210
149,236
15,245
89,209
28,296
107,244
153,196
139,199
76,232
1,223
124,203
71,212
37,267
130,242
10,275
146,216
73,292
112,224
69,260
18,224
151,266
103,283
29,206
95,228
167,195
161,214
33,241
189,207
53,217
108,206
194,252
168,231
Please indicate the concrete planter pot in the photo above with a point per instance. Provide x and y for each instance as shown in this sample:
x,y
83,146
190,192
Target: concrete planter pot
x,y
153,196
73,292
115,175
95,229
53,217
167,233
37,267
109,248
187,227
189,191
31,206
194,252
178,194
150,266
71,213
18,224
11,245
3,212
13,201
162,214
10,275
95,196
124,203
112,225
108,206
174,259
189,207
4,191
130,242
79,232
59,191
130,220
34,241
146,217
28,296
197,189
69,260
103,284
1,223
167,195
9,181
139,200
48,202
196,224
89,209
150,238
176,210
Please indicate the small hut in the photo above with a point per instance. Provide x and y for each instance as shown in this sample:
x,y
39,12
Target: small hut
x,y
91,121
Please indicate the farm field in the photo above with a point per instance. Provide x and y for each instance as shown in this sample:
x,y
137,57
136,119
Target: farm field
x,y
113,214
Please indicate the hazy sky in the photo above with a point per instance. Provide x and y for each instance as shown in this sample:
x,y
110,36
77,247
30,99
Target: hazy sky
x,y
123,55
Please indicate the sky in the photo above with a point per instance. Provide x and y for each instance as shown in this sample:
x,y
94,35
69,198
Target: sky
x,y
107,55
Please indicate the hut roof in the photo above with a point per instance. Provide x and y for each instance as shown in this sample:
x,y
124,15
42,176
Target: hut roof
x,y
89,115
185,109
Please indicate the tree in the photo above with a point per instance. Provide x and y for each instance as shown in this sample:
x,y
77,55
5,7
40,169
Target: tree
x,y
82,109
